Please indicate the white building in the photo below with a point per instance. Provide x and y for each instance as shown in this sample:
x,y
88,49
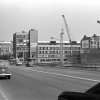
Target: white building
x,y
5,47
94,42
49,52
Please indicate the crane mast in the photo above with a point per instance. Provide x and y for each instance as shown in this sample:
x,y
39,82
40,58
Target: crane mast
x,y
67,29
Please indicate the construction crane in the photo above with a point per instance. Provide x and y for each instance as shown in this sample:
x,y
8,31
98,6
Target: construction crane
x,y
67,28
68,32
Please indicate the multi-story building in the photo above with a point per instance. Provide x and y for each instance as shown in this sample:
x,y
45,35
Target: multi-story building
x,y
88,43
25,44
48,52
51,52
90,47
5,48
20,45
95,42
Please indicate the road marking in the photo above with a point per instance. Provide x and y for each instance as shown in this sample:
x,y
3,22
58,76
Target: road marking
x,y
2,93
67,76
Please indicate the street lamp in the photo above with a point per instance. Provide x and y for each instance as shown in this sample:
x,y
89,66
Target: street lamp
x,y
61,46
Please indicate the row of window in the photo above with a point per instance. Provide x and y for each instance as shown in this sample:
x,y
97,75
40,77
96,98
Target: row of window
x,y
49,60
58,56
22,40
22,48
49,48
49,56
22,36
57,52
22,44
94,42
5,44
4,51
49,52
58,48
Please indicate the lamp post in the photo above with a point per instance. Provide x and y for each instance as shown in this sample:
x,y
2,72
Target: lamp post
x,y
61,47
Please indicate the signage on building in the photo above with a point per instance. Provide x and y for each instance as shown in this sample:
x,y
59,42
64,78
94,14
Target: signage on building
x,y
85,44
33,44
33,47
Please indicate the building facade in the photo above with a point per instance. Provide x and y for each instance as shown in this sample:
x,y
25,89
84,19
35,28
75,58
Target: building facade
x,y
95,42
90,50
22,44
89,43
6,48
50,52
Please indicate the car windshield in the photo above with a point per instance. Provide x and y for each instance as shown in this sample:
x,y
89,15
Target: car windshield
x,y
4,63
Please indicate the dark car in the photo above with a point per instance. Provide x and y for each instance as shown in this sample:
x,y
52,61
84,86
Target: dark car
x,y
91,94
29,62
5,73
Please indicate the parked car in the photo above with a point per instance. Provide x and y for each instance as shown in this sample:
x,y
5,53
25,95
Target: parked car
x,y
4,72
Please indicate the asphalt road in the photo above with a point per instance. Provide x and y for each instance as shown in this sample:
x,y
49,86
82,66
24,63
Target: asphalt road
x,y
45,83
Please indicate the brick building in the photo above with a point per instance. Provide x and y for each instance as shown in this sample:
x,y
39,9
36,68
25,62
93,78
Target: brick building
x,y
90,47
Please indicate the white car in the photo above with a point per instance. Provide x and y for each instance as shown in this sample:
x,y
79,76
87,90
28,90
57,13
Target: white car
x,y
18,63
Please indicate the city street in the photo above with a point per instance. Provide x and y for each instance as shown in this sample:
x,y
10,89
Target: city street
x,y
44,83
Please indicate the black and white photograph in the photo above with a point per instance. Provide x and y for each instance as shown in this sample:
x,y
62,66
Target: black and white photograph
x,y
49,49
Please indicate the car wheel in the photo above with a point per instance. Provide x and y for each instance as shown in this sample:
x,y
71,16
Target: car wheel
x,y
8,77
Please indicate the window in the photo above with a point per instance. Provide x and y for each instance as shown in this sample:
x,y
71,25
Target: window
x,y
48,60
19,40
53,56
39,48
42,52
39,52
42,60
66,52
91,42
57,48
46,48
24,44
53,59
57,52
49,56
24,40
53,48
53,52
43,48
46,52
58,59
94,42
50,48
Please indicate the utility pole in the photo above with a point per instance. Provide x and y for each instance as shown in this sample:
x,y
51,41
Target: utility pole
x,y
61,48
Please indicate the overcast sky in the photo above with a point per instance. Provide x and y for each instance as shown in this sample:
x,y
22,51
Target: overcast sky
x,y
45,16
